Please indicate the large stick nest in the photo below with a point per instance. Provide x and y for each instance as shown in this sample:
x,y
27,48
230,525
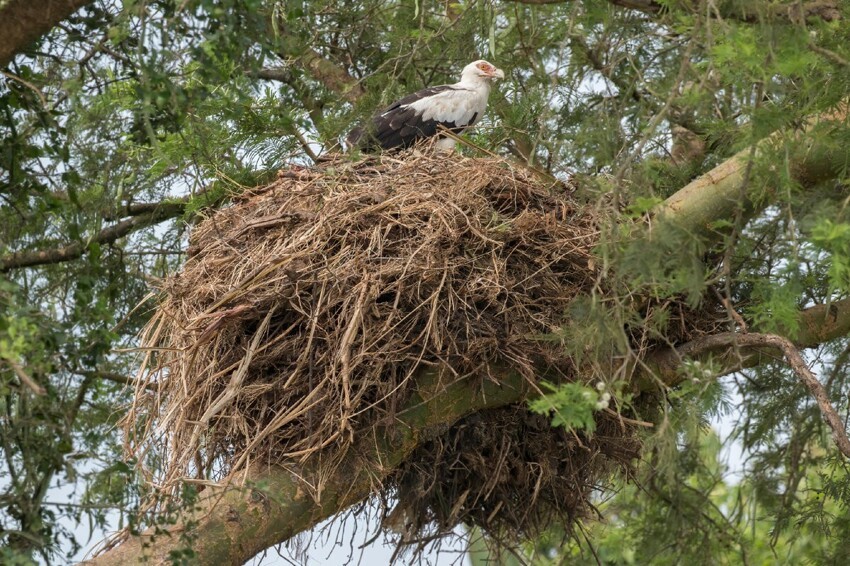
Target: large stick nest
x,y
306,308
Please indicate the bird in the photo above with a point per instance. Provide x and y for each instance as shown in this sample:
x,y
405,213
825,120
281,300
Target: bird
x,y
425,113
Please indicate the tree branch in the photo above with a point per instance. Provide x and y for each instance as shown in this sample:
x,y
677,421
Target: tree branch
x,y
815,325
795,360
75,250
231,524
115,378
745,349
331,75
826,10
24,21
25,378
716,195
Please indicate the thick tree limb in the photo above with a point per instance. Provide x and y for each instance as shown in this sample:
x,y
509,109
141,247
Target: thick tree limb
x,y
330,74
24,21
233,524
814,157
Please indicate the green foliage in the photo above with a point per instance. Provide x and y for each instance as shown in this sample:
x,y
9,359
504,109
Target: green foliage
x,y
571,405
189,103
834,238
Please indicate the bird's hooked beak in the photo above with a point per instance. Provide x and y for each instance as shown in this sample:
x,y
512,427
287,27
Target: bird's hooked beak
x,y
496,73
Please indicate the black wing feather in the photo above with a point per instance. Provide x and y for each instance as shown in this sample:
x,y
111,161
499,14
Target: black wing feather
x,y
398,125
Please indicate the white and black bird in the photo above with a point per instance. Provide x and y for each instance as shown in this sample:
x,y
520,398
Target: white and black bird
x,y
425,113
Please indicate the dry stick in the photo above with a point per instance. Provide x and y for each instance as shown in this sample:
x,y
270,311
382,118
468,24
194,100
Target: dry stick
x,y
540,173
116,377
235,385
345,351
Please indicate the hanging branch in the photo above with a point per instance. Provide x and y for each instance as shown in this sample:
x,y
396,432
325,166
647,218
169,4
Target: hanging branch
x,y
747,350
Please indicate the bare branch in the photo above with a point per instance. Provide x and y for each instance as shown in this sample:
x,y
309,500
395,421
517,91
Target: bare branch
x,y
305,95
116,378
831,55
331,75
279,74
745,348
305,145
25,378
795,360
716,195
231,524
815,325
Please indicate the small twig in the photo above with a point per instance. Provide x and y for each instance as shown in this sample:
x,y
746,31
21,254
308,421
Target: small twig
x,y
733,314
305,145
345,346
831,55
627,420
116,378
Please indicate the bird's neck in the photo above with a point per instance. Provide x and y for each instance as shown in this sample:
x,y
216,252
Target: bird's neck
x,y
474,83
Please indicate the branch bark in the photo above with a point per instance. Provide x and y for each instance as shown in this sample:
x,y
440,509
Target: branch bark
x,y
24,377
24,21
795,360
739,350
815,325
330,74
816,156
115,378
108,235
274,503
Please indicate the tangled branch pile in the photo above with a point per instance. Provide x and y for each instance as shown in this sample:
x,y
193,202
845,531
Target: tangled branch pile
x,y
306,307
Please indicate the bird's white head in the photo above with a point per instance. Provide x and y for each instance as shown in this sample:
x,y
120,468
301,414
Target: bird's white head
x,y
481,71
